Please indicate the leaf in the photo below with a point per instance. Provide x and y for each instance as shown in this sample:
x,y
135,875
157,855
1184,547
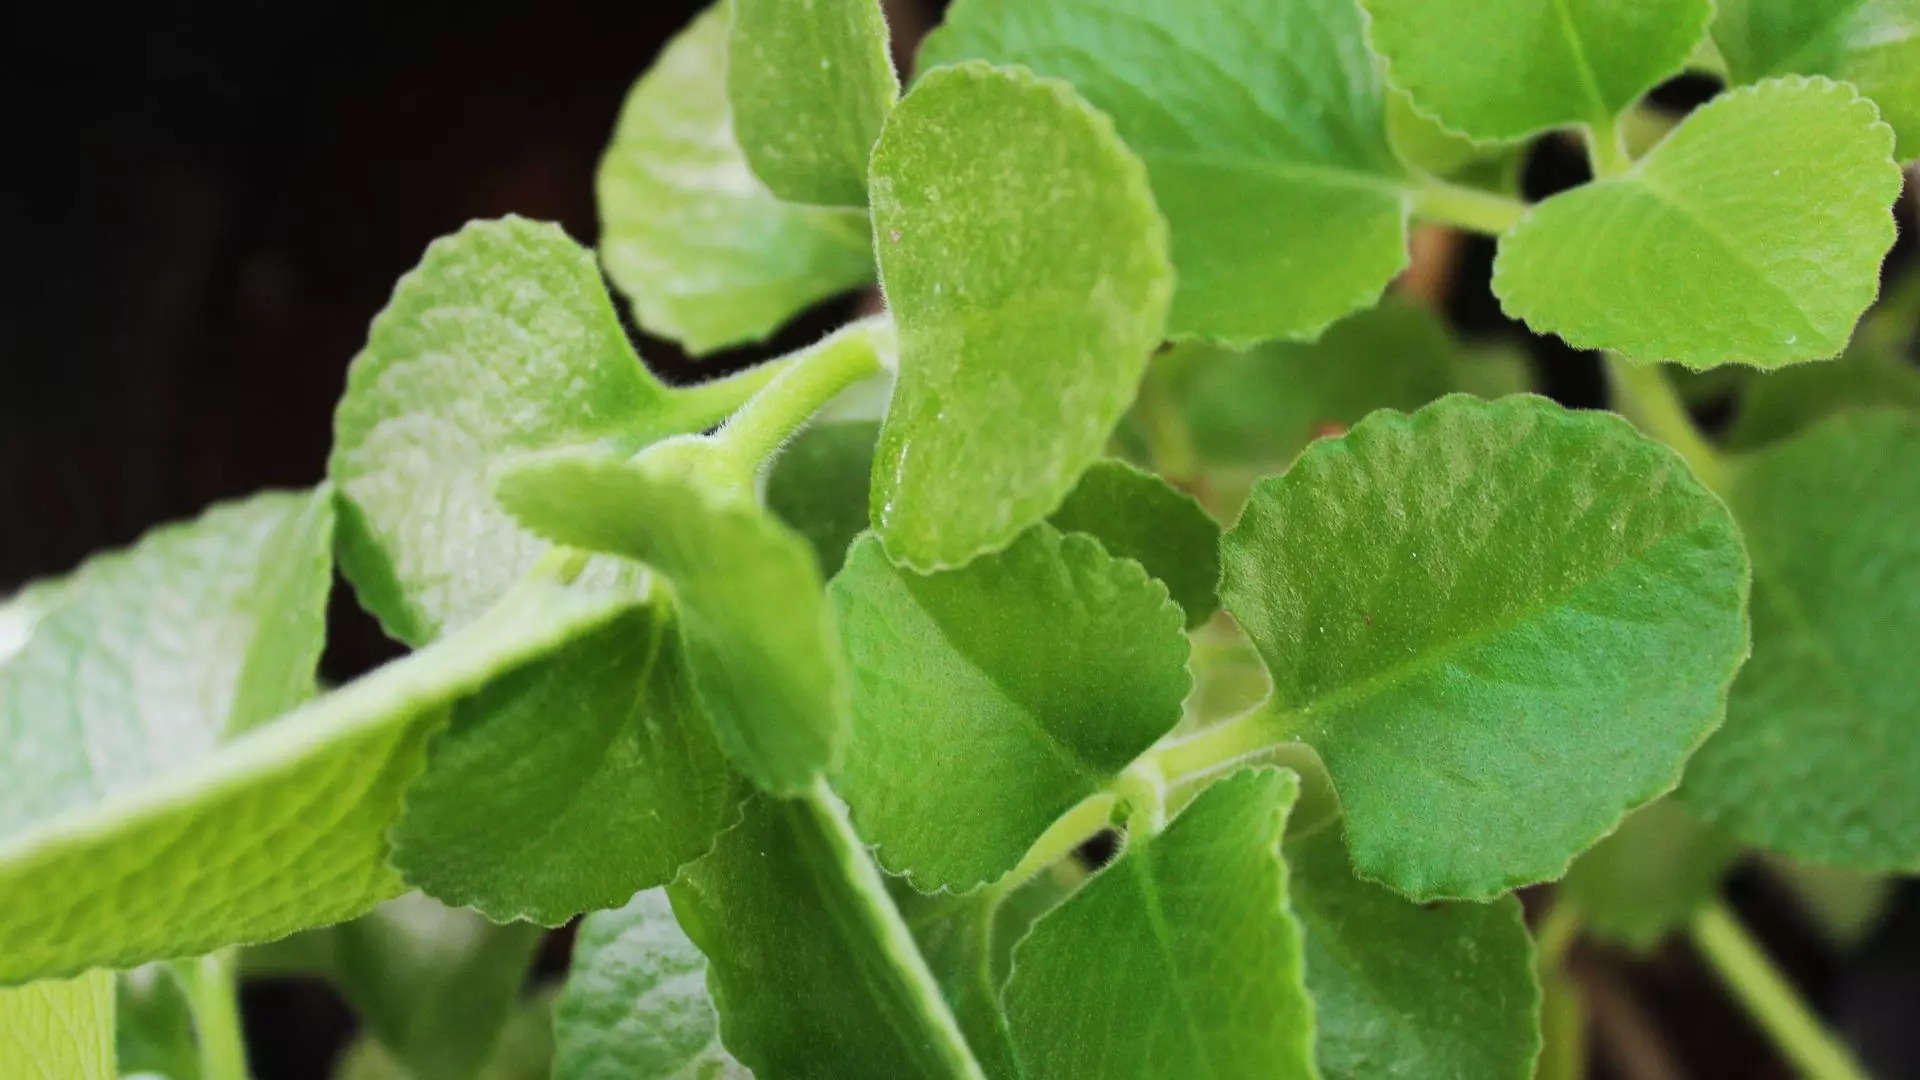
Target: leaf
x,y
1136,515
153,1028
1752,234
1200,956
1877,369
961,937
1501,624
1026,269
818,486
523,1051
1647,879
747,597
1823,727
810,83
434,984
1424,146
1410,990
1873,44
990,700
635,1004
1262,125
1563,63
708,256
812,970
161,871
140,662
59,1029
523,814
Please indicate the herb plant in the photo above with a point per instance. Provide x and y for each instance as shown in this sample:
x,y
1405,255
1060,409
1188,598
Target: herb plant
x,y
812,682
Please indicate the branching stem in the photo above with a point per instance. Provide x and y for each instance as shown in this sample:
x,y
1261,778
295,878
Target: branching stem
x,y
1607,149
805,382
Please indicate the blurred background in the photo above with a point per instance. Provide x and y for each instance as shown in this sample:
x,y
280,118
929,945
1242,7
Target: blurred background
x,y
207,202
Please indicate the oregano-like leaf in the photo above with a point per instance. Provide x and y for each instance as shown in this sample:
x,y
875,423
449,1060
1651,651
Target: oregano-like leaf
x,y
818,486
1873,44
59,1029
1497,621
1136,515
1647,879
1752,234
1877,369
1026,269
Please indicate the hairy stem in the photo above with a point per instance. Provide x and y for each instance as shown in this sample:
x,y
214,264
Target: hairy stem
x,y
1607,149
1224,745
1643,395
211,994
807,380
1466,208
1062,838
699,406
1769,998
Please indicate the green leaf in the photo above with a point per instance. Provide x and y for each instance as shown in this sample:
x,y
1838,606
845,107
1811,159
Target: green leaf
x,y
810,84
1026,269
1873,44
708,256
1410,990
1559,64
635,1005
1752,234
161,871
434,984
59,1029
153,1030
747,596
1136,515
812,970
1198,955
1498,620
1262,125
141,662
525,816
1823,728
523,1050
1424,146
1647,879
988,701
1876,369
818,486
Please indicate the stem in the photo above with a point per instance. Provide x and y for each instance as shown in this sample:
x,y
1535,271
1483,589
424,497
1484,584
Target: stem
x,y
1606,150
1465,207
1169,442
1769,998
807,381
209,983
1563,1028
1555,935
1644,396
1223,745
699,406
1062,838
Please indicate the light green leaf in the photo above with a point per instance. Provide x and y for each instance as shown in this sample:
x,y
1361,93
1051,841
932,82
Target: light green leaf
x,y
1501,624
747,595
1136,515
1420,991
525,816
635,1005
1423,145
812,970
59,1029
1561,63
141,662
1262,124
153,1030
988,701
1823,728
708,256
161,871
818,486
1199,957
523,1051
434,984
1752,235
1877,369
1873,44
1026,269
810,83
1647,879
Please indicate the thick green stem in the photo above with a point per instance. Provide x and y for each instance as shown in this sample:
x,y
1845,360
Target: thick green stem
x,y
1768,997
807,381
1643,395
1606,149
1062,838
1225,744
1466,208
211,994
699,406
1555,935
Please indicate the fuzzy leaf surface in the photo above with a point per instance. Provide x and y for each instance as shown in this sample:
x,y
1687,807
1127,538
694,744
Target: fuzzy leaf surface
x,y
59,1030
1136,515
1873,44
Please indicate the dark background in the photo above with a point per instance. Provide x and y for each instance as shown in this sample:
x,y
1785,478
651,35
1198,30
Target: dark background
x,y
206,203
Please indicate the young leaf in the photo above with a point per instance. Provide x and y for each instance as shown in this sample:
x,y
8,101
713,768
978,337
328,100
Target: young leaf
x,y
810,84
708,256
635,1005
812,970
1752,234
1410,990
987,701
161,871
1876,369
818,486
1873,44
59,1029
1647,879
1262,125
747,597
523,817
501,341
1502,625
1027,272
1559,63
1823,728
1199,956
1136,515
1423,145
